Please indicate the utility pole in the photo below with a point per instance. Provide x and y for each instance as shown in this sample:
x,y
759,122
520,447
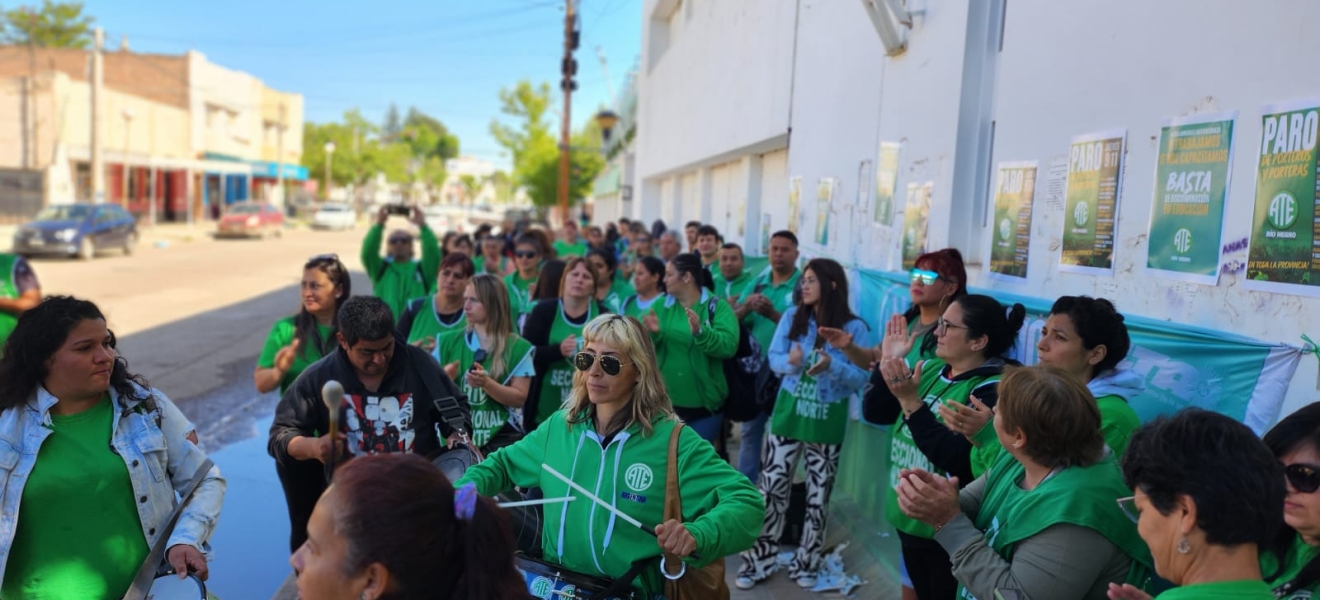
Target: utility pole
x,y
568,69
279,161
31,162
98,83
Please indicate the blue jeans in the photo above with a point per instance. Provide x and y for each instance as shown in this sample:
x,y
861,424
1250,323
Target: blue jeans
x,y
709,428
749,452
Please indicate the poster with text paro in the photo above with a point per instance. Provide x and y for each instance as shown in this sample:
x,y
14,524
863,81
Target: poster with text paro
x,y
1282,254
1092,194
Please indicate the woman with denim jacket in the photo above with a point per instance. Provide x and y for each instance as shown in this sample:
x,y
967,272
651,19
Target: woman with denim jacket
x,y
90,460
810,416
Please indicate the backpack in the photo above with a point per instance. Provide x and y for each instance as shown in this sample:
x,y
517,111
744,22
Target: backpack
x,y
741,372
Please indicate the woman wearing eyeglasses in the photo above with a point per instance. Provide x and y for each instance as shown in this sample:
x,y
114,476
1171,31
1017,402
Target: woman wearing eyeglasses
x,y
426,319
971,339
554,328
649,282
1044,521
302,339
810,417
1208,497
496,364
528,253
614,438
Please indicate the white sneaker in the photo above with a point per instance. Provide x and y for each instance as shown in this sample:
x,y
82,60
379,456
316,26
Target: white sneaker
x,y
744,583
806,581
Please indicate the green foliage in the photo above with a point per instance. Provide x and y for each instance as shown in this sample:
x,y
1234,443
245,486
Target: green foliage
x,y
535,151
362,149
54,25
392,126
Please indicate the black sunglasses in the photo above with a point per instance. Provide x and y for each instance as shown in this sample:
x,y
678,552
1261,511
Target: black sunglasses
x,y
1305,478
526,254
610,364
401,240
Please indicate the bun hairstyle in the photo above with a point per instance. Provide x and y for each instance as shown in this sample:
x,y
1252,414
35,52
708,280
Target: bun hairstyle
x,y
1097,322
689,263
985,316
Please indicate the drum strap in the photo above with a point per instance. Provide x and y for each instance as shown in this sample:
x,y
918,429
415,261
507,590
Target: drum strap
x,y
622,587
145,575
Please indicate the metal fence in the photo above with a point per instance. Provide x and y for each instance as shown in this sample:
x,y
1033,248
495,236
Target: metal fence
x,y
20,195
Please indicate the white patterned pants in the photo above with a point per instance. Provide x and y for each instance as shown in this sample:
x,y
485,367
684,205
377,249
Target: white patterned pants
x,y
779,456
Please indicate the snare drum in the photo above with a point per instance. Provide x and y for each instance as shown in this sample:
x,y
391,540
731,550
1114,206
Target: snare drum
x,y
549,581
170,587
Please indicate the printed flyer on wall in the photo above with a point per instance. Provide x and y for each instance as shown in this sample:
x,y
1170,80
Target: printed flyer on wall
x,y
824,194
794,202
1281,256
1191,188
1010,241
916,218
1095,173
886,183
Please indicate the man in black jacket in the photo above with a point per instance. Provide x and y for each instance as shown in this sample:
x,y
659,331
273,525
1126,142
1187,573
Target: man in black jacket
x,y
390,392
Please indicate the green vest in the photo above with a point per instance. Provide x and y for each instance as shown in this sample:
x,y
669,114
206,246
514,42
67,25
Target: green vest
x,y
800,415
619,291
520,295
632,306
488,416
425,323
1281,579
1221,590
8,289
558,381
781,296
903,452
1081,496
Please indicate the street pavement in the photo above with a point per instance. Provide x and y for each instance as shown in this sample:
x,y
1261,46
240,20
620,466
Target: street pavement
x,y
191,314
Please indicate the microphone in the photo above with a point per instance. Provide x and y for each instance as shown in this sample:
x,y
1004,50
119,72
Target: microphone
x,y
332,394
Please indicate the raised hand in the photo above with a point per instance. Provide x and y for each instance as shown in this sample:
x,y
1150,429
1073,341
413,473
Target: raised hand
x,y
284,358
897,342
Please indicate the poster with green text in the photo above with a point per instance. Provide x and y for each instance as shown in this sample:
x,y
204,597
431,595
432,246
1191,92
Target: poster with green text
x,y
794,202
886,183
1010,239
1281,256
916,217
1095,182
824,195
1191,187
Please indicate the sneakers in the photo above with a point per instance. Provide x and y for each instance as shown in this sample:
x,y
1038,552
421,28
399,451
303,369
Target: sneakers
x,y
806,582
744,583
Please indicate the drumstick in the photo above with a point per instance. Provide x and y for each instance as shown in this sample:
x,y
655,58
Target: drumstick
x,y
332,394
536,502
606,505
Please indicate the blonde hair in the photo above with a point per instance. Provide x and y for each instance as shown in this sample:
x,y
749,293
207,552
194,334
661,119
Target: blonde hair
x,y
499,320
649,398
1055,411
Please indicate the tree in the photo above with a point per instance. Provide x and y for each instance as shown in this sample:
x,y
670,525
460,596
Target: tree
x,y
471,187
431,137
392,126
54,25
535,151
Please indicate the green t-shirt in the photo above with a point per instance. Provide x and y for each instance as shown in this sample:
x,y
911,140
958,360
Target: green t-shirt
x,y
800,415
488,416
520,294
781,296
8,289
564,249
78,534
1299,555
558,380
282,335
619,291
731,288
1221,590
933,390
1117,422
427,324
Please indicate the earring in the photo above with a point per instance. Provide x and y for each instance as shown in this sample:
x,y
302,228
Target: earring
x,y
1017,445
1184,546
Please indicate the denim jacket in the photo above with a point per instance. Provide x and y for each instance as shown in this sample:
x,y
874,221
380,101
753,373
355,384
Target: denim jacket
x,y
155,449
840,380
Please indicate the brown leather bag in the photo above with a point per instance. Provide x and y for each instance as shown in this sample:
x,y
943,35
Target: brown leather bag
x,y
706,583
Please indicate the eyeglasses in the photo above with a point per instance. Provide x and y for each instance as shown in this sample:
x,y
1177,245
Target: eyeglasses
x,y
525,254
925,277
943,325
1129,507
610,364
1306,478
400,240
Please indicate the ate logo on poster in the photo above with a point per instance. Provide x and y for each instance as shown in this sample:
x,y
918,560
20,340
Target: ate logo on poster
x,y
1282,215
1282,253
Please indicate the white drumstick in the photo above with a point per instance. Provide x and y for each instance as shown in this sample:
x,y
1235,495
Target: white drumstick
x,y
536,502
593,498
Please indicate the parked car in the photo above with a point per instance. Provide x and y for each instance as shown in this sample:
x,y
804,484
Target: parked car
x,y
334,215
250,219
79,230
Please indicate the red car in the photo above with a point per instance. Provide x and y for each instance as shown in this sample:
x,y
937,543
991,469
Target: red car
x,y
250,219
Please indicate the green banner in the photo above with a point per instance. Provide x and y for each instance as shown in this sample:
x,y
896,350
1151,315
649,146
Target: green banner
x,y
886,183
1281,255
1095,170
794,204
916,218
824,195
1191,186
1015,188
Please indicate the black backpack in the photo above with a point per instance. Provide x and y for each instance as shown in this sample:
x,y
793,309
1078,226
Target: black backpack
x,y
741,372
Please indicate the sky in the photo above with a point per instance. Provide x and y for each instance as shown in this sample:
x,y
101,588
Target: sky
x,y
449,58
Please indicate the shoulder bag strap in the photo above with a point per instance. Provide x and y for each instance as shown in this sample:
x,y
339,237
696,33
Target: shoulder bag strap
x,y
673,500
146,574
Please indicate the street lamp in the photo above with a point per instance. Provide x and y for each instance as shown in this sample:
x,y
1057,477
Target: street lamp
x,y
128,121
329,152
607,119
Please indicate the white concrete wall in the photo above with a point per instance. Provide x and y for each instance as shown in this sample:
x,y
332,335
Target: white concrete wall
x,y
238,132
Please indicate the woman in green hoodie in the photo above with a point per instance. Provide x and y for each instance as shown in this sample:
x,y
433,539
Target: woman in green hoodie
x,y
694,332
613,438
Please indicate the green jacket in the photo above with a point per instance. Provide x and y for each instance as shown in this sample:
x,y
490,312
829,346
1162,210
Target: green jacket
x,y
721,508
693,366
396,283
